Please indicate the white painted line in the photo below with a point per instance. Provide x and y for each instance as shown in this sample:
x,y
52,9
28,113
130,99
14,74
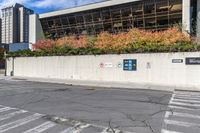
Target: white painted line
x,y
41,128
5,109
67,130
186,100
180,123
184,115
185,104
76,129
167,114
179,107
187,95
19,122
10,115
169,131
107,130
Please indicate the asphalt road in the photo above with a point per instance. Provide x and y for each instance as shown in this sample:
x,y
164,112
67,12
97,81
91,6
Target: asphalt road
x,y
33,107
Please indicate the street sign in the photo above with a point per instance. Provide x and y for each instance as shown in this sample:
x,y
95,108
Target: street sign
x,y
177,60
193,61
130,64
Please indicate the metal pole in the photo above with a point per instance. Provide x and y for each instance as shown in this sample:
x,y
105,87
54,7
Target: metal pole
x,y
5,58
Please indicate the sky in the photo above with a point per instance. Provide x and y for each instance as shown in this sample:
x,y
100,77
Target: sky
x,y
42,6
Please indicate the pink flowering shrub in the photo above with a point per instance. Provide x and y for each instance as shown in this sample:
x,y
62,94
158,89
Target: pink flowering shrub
x,y
44,44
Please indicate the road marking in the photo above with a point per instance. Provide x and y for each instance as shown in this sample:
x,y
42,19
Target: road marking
x,y
185,104
183,115
180,123
76,129
19,122
108,130
10,115
179,107
187,95
188,100
5,109
169,131
41,128
181,101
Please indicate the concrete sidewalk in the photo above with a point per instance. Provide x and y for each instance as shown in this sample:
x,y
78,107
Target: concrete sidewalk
x,y
112,85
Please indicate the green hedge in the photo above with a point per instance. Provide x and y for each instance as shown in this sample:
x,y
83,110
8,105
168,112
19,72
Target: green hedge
x,y
134,48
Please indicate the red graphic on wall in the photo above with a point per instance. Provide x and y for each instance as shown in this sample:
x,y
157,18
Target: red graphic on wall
x,y
101,65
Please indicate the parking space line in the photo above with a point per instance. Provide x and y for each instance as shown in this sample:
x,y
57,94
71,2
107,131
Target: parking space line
x,y
20,122
41,128
10,115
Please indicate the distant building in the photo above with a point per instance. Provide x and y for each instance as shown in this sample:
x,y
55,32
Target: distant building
x,y
15,24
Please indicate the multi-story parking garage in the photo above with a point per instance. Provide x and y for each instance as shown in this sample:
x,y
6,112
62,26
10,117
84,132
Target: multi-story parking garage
x,y
118,16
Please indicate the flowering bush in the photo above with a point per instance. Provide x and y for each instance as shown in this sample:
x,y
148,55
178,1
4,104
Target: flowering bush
x,y
73,41
136,40
44,44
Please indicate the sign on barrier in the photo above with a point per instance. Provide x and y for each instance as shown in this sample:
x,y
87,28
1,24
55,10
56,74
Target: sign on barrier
x,y
130,64
193,61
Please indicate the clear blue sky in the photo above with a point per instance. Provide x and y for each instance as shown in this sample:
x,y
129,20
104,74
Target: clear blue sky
x,y
41,6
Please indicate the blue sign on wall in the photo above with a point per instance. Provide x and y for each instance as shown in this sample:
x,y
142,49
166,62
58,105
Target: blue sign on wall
x,y
130,64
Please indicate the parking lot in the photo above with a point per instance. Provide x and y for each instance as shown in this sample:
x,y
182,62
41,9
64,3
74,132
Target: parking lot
x,y
58,108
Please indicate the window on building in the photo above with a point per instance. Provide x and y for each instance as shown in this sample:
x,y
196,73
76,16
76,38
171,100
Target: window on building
x,y
72,20
80,19
88,18
116,14
126,12
149,8
64,21
97,16
106,15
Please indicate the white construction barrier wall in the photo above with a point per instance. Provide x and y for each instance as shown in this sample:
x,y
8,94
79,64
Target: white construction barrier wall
x,y
156,68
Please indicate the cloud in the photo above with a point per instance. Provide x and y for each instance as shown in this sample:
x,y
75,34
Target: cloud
x,y
60,4
8,2
50,4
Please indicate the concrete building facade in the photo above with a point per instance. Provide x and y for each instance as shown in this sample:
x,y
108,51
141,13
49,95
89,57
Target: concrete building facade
x,y
15,21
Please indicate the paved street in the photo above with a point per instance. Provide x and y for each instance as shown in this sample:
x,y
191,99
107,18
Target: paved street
x,y
32,107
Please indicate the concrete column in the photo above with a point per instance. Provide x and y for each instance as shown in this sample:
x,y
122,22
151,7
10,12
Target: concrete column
x,y
186,17
198,21
35,30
